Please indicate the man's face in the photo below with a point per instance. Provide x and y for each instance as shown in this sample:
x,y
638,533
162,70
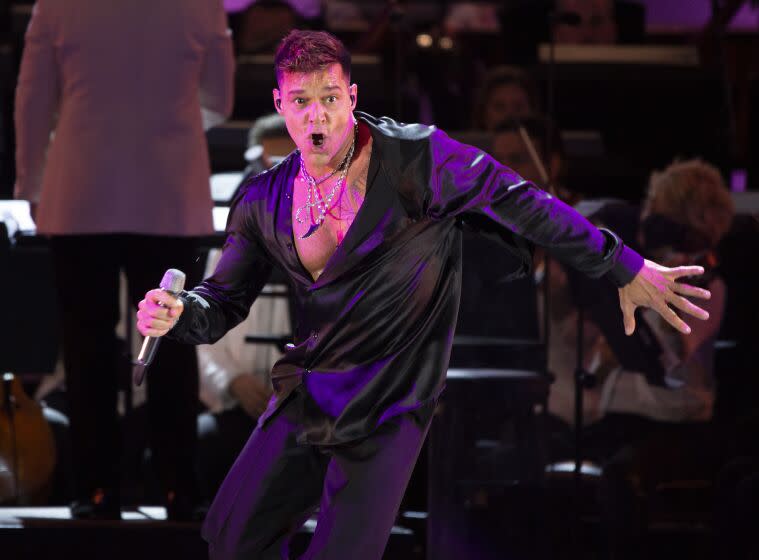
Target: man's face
x,y
508,101
597,24
318,111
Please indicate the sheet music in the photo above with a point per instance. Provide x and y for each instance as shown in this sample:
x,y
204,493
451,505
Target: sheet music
x,y
668,55
220,214
17,216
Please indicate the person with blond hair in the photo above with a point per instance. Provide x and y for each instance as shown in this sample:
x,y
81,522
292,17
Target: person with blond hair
x,y
655,434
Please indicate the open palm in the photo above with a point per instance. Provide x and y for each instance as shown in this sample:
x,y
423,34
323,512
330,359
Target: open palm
x,y
656,286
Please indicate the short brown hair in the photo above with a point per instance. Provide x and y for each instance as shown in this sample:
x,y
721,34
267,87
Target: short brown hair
x,y
692,193
502,76
309,51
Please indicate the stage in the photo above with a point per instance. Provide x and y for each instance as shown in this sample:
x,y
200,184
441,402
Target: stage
x,y
42,533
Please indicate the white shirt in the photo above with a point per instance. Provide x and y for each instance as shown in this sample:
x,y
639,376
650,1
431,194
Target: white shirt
x,y
628,392
231,356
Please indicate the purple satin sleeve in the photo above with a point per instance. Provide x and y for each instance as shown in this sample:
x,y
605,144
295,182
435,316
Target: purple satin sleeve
x,y
470,185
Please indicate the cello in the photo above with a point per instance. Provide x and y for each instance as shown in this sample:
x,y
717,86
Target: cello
x,y
27,447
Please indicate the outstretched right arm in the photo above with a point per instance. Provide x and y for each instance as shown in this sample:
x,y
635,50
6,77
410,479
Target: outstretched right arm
x,y
221,301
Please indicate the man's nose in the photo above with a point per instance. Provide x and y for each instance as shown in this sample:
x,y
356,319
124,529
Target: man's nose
x,y
316,113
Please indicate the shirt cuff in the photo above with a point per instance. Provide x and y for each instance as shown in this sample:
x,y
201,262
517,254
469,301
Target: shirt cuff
x,y
627,262
184,322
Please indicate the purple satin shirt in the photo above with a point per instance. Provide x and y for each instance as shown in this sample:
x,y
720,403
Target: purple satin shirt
x,y
374,333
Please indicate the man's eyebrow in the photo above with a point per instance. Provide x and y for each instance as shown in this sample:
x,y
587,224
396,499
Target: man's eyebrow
x,y
302,91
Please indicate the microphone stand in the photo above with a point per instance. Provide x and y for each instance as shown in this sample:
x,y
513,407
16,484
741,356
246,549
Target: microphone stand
x,y
581,377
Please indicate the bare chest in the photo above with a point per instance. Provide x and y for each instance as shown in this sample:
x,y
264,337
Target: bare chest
x,y
343,202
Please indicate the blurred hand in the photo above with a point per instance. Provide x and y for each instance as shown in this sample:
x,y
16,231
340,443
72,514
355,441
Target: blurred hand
x,y
157,313
655,286
251,392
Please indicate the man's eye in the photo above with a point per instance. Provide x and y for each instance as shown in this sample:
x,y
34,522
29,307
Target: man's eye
x,y
299,101
331,99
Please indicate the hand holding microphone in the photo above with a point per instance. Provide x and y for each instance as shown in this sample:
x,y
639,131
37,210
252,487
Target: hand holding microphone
x,y
157,314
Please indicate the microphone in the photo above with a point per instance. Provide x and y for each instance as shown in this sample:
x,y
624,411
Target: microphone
x,y
173,283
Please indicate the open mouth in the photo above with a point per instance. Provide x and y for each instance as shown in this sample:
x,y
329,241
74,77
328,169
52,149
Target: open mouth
x,y
317,139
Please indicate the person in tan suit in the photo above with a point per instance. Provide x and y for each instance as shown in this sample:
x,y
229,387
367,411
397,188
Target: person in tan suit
x,y
111,153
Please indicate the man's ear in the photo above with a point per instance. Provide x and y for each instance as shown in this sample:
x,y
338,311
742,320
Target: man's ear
x,y
277,100
353,92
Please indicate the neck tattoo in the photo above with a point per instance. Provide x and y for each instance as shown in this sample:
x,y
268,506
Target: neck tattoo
x,y
314,198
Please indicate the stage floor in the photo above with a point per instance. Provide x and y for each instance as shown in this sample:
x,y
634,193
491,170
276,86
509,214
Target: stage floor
x,y
19,517
42,533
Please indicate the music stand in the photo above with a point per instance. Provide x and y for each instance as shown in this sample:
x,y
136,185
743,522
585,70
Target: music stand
x,y
27,345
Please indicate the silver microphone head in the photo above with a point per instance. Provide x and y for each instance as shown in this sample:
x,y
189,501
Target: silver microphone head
x,y
173,281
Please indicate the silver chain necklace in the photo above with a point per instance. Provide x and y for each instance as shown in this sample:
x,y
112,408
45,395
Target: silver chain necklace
x,y
314,198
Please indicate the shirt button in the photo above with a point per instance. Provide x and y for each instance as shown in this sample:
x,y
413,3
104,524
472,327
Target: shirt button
x,y
314,335
308,371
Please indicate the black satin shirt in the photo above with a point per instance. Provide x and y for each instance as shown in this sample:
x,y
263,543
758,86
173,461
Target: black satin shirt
x,y
373,334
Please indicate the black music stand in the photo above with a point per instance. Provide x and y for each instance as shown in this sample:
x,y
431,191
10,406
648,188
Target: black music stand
x,y
27,345
497,325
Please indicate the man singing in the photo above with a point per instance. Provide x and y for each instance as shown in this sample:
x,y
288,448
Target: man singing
x,y
365,219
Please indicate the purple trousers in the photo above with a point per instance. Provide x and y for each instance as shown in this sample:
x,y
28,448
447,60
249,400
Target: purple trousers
x,y
277,483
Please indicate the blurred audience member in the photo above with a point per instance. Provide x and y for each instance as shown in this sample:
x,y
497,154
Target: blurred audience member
x,y
260,24
472,17
662,434
522,144
687,211
308,9
595,22
507,92
526,24
110,144
268,144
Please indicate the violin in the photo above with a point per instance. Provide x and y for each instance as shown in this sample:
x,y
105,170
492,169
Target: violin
x,y
27,447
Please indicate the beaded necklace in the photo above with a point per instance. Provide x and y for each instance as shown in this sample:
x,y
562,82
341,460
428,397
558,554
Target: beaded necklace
x,y
314,198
